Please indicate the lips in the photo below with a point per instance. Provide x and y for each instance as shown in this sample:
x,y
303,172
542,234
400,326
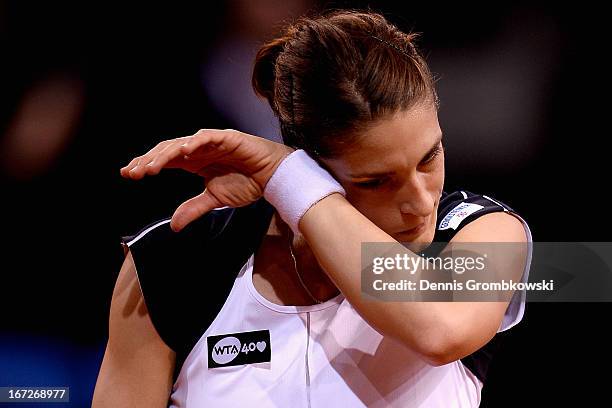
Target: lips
x,y
413,230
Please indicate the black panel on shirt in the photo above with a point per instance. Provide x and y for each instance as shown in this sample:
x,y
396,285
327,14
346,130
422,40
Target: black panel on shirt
x,y
185,277
449,201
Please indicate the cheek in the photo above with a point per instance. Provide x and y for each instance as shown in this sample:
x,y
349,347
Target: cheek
x,y
441,170
367,202
435,185
436,176
374,207
433,219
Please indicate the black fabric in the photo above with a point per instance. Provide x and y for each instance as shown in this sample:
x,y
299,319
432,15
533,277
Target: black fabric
x,y
450,201
183,300
174,270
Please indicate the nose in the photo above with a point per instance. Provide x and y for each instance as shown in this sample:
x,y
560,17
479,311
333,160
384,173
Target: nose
x,y
415,199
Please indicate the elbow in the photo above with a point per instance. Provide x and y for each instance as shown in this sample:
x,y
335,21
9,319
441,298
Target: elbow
x,y
440,355
445,344
439,346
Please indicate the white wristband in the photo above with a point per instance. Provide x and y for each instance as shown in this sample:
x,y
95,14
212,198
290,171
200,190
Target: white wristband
x,y
296,185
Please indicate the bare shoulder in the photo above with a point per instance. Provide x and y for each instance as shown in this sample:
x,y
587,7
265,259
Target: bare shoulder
x,y
504,239
137,367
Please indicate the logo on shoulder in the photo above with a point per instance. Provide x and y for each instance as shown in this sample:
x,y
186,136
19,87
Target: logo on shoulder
x,y
238,348
458,214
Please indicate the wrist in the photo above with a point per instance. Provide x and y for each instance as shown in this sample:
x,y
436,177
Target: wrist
x,y
296,185
283,152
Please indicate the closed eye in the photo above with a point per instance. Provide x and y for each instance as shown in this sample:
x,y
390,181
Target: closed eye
x,y
431,157
371,183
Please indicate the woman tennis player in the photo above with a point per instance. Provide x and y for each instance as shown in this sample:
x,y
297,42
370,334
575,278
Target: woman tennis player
x,y
250,294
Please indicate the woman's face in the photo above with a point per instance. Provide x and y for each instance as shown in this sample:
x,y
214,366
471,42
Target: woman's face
x,y
395,174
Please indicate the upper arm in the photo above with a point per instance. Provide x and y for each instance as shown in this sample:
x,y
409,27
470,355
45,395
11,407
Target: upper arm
x,y
475,323
137,368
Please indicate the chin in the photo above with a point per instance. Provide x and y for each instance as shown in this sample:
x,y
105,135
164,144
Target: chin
x,y
416,246
418,243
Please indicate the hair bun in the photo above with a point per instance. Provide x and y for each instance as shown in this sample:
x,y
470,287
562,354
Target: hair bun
x,y
264,69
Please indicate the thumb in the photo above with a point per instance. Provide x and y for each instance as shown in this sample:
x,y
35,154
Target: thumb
x,y
193,209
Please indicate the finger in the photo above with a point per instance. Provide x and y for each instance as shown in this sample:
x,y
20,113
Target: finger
x,y
125,171
174,158
193,209
135,162
207,140
195,159
138,166
135,168
204,142
161,159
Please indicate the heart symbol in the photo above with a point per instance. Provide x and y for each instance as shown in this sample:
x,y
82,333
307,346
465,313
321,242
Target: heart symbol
x,y
261,345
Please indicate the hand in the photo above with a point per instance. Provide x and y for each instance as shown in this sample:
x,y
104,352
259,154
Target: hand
x,y
236,167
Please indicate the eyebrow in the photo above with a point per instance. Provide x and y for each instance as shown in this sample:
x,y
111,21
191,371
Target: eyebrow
x,y
386,173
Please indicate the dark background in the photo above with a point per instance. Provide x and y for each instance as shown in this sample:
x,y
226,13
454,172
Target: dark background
x,y
86,87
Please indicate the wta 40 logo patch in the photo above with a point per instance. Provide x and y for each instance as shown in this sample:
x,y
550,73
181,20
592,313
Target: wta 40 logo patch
x,y
239,348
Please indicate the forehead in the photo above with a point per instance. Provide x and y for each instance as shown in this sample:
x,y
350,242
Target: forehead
x,y
392,142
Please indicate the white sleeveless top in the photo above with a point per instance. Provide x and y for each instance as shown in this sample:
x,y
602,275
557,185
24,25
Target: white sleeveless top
x,y
321,355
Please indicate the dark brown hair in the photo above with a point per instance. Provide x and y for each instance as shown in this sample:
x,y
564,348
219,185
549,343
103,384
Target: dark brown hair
x,y
328,77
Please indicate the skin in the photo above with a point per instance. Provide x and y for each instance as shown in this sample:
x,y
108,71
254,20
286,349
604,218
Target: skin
x,y
397,203
331,233
137,367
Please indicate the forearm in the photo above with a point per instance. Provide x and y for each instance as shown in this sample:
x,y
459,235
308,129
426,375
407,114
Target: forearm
x,y
335,230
